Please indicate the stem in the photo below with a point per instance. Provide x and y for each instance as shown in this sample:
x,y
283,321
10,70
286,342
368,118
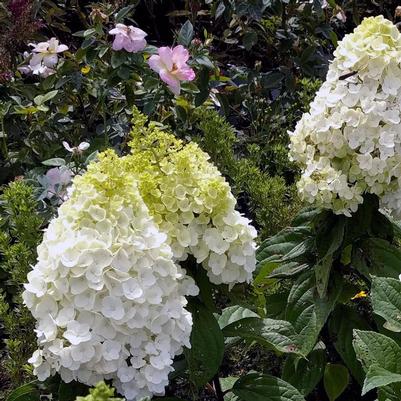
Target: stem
x,y
217,388
3,131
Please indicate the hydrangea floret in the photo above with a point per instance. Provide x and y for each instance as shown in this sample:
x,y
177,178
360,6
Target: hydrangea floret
x,y
192,203
107,296
349,143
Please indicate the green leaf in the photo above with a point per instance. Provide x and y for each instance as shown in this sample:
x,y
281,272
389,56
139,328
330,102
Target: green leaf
x,y
322,274
305,374
233,314
27,392
118,58
379,377
207,346
186,34
374,348
336,379
282,245
384,259
56,162
342,322
330,238
124,12
278,335
258,387
249,39
40,99
70,391
307,311
289,269
386,300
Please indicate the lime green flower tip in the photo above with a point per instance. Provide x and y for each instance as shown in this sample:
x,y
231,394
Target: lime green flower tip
x,y
102,392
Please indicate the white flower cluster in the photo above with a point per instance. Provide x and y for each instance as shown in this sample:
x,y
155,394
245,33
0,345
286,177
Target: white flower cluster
x,y
350,141
107,296
44,58
193,204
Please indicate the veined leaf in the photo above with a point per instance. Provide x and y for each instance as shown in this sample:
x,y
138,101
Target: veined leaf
x,y
257,387
278,335
233,314
379,377
386,300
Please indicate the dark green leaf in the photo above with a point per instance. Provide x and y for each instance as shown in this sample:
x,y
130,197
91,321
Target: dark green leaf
x,y
305,374
207,346
258,387
383,258
336,379
118,58
341,325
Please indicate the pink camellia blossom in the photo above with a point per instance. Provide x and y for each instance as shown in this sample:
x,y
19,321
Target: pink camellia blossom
x,y
171,65
128,38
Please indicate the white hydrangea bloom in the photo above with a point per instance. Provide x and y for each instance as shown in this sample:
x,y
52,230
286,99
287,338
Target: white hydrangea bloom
x,y
107,296
350,141
192,203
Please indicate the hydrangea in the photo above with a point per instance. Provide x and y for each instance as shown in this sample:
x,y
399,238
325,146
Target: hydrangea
x,y
349,143
192,203
107,296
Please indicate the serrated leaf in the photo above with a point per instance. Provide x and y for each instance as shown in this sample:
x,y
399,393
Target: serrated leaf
x,y
307,311
336,379
207,346
277,335
379,377
258,387
374,348
386,301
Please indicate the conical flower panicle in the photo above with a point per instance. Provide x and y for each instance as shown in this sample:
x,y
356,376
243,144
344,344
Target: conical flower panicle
x,y
349,143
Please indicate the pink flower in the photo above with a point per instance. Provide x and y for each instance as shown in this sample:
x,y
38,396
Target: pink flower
x,y
128,38
171,65
58,178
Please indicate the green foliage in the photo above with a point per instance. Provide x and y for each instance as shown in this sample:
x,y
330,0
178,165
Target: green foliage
x,y
21,233
268,199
